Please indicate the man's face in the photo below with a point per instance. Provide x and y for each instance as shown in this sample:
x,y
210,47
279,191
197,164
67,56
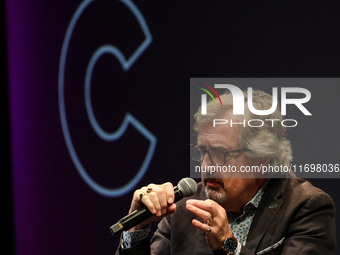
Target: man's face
x,y
231,193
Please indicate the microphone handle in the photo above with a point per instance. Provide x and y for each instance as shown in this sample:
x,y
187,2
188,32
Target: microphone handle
x,y
138,216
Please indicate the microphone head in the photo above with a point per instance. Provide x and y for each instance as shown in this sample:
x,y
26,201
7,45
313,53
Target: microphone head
x,y
188,186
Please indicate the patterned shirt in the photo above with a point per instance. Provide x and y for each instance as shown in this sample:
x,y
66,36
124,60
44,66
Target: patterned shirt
x,y
239,225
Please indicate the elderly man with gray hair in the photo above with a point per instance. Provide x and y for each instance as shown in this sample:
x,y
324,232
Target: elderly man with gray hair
x,y
233,213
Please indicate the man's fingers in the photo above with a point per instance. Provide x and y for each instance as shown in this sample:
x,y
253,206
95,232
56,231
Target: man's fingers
x,y
137,199
154,198
206,205
204,215
171,209
199,225
159,196
149,204
169,190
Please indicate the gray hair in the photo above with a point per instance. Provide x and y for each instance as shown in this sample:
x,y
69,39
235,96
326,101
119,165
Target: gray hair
x,y
268,140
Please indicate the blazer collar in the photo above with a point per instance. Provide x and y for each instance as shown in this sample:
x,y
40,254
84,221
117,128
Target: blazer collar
x,y
269,205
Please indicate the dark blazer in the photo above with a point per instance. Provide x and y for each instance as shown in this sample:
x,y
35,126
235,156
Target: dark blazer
x,y
292,211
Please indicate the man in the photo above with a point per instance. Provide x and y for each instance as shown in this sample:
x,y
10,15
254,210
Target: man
x,y
243,214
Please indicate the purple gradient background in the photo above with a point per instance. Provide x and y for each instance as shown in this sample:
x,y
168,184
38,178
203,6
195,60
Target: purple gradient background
x,y
32,139
55,212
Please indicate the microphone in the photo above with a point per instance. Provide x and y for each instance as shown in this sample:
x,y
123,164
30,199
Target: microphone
x,y
185,188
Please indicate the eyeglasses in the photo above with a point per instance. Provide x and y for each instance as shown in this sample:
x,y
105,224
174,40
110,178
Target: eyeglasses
x,y
217,157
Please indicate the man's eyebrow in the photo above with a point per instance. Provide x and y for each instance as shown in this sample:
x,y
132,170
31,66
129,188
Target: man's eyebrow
x,y
217,147
221,148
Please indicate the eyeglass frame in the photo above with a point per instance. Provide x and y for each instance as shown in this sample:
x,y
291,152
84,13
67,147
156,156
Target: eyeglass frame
x,y
225,153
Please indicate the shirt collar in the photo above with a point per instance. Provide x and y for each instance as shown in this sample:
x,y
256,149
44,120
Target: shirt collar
x,y
257,198
250,207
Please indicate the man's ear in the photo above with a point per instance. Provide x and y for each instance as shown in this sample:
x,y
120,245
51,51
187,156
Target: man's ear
x,y
264,161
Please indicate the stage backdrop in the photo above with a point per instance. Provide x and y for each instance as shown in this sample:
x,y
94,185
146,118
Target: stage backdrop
x,y
100,102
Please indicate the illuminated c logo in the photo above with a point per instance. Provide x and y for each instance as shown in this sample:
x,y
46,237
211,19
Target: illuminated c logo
x,y
129,118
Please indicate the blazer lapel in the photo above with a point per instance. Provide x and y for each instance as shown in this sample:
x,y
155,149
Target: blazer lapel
x,y
270,204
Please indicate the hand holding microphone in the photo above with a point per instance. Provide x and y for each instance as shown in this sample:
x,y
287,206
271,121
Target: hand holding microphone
x,y
152,203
